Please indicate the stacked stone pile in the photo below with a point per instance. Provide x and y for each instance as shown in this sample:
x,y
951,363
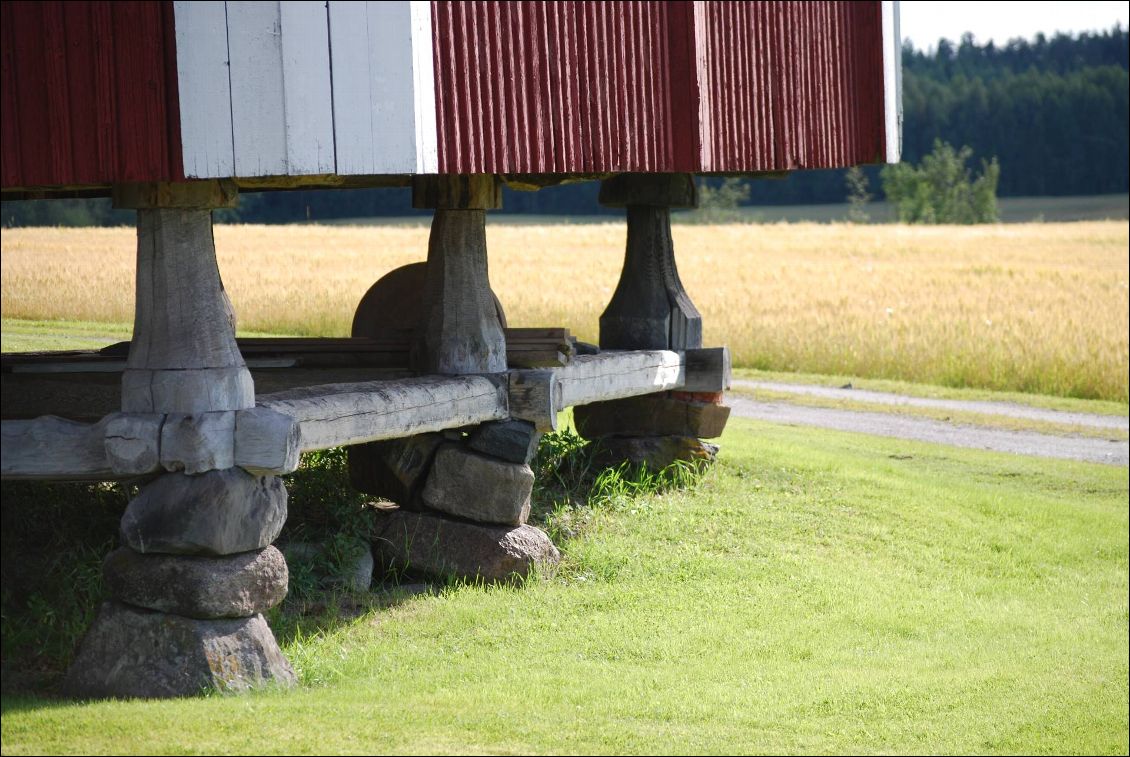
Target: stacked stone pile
x,y
463,501
654,429
189,586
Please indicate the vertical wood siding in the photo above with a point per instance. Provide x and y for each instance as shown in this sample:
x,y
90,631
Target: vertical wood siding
x,y
89,93
383,87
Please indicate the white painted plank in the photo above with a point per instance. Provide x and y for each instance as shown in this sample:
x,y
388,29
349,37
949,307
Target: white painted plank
x,y
892,80
424,88
352,113
374,122
307,99
204,89
258,111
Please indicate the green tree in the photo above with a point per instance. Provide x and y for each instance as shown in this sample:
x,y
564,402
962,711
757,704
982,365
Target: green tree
x,y
941,188
858,195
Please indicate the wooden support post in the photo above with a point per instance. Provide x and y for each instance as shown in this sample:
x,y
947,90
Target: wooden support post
x,y
650,309
460,332
183,357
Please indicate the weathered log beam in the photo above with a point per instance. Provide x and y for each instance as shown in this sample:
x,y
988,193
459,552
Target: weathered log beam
x,y
343,414
52,448
537,396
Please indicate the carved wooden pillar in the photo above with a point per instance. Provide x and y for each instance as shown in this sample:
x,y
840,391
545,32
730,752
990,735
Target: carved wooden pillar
x,y
460,332
183,357
196,570
650,309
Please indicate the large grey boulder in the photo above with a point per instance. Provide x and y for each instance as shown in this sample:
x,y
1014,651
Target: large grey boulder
x,y
221,512
138,653
439,546
236,586
479,488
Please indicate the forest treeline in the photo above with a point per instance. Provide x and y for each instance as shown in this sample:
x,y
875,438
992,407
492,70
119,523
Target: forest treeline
x,y
1054,111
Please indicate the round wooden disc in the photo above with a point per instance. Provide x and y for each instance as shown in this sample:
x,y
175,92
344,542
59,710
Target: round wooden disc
x,y
394,305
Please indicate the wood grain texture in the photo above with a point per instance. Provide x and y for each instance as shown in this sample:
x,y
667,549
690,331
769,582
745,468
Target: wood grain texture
x,y
307,94
205,88
193,444
535,396
132,442
53,448
460,332
892,82
612,375
374,87
424,87
650,308
257,92
266,442
342,414
183,357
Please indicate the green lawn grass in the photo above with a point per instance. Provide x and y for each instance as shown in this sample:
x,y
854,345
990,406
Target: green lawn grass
x,y
818,592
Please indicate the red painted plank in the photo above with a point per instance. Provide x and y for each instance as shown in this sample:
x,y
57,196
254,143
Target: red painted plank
x,y
10,170
87,97
31,94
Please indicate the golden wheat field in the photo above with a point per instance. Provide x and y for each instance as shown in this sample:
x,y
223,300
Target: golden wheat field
x,y
1036,307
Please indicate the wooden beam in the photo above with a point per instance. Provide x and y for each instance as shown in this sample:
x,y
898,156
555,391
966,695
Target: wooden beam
x,y
183,356
54,449
343,414
708,370
612,375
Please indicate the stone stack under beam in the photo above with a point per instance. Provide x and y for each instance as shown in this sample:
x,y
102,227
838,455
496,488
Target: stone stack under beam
x,y
464,501
650,309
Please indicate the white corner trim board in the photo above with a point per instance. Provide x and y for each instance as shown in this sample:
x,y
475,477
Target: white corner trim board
x,y
892,80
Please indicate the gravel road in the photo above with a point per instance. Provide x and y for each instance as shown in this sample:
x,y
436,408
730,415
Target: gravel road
x,y
1111,452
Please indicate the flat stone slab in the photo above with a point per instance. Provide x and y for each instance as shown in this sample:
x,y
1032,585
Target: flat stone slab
x,y
514,441
216,513
656,452
479,488
439,546
236,586
651,415
138,653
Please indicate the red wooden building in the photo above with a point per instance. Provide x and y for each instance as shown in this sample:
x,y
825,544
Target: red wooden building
x,y
98,92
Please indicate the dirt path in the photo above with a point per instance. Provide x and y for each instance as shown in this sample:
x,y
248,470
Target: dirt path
x,y
1111,452
1010,409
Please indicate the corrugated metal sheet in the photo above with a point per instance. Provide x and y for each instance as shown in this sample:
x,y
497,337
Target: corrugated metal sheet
x,y
792,85
89,93
543,87
90,89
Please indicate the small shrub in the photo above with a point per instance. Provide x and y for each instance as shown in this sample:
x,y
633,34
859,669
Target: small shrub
x,y
942,190
721,202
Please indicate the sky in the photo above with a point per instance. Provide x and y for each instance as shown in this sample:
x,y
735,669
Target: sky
x,y
924,21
